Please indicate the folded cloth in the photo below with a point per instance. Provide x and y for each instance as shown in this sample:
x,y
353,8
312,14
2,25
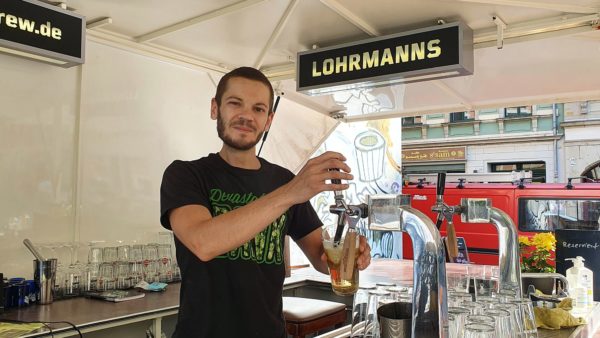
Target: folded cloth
x,y
558,317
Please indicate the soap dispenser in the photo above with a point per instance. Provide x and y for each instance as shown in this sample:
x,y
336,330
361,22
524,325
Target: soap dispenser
x,y
581,285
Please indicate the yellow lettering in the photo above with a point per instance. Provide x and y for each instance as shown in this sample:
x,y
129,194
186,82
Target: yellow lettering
x,y
354,62
315,72
434,49
341,64
371,60
11,21
328,66
417,51
387,57
402,53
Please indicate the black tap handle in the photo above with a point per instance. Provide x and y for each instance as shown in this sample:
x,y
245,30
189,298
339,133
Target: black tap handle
x,y
441,183
335,180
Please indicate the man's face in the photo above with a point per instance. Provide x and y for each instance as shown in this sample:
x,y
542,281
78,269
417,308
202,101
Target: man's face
x,y
243,114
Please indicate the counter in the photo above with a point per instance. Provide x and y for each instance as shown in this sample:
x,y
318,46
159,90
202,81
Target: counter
x,y
94,315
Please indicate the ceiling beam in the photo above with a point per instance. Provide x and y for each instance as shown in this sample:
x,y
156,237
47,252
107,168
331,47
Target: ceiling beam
x,y
278,29
566,8
101,22
534,29
152,50
196,20
351,17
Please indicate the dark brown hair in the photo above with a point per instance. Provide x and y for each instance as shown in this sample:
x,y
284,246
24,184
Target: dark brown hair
x,y
247,73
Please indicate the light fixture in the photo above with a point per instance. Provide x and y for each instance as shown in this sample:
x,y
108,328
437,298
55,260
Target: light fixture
x,y
44,32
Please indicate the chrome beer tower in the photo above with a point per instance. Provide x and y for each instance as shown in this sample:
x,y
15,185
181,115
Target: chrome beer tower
x,y
480,210
430,301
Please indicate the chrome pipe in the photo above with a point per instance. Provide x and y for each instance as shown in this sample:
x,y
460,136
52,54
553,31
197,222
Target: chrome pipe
x,y
508,250
430,299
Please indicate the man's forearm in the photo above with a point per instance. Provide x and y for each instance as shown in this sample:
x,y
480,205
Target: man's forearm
x,y
220,234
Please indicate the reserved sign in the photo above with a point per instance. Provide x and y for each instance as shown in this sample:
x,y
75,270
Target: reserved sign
x,y
584,243
429,53
41,31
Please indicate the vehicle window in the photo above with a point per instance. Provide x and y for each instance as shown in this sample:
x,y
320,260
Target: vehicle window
x,y
545,214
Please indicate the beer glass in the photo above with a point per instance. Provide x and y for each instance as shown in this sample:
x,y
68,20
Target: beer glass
x,y
341,260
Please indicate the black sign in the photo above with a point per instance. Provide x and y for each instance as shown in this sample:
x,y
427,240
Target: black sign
x,y
584,243
45,32
463,252
429,53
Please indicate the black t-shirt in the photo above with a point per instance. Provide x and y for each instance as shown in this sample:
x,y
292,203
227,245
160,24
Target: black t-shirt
x,y
237,294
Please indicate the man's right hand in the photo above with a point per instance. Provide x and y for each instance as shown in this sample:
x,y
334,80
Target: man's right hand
x,y
316,176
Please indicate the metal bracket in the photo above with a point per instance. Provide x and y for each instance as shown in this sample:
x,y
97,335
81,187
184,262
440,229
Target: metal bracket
x,y
500,27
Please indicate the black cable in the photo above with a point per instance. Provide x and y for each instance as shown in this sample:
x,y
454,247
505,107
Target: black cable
x,y
66,322
49,329
264,138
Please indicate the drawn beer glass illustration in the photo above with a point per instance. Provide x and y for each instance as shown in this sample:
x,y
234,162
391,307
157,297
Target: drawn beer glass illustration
x,y
370,153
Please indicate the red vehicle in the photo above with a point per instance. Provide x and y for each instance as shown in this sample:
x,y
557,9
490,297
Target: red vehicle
x,y
533,207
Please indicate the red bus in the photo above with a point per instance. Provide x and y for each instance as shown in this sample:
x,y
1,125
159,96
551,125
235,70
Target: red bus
x,y
533,207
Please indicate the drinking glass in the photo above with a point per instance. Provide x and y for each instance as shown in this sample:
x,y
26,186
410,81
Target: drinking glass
x,y
453,326
515,317
376,299
136,272
359,310
150,252
90,277
400,294
526,317
73,281
123,276
475,308
109,254
151,271
106,277
455,298
483,319
123,253
95,255
478,330
485,286
503,323
458,282
165,266
460,317
135,255
341,260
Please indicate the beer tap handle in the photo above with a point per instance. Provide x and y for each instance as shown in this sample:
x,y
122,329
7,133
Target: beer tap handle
x,y
441,186
340,209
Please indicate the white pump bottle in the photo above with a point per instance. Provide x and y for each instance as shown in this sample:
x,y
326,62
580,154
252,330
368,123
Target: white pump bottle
x,y
581,285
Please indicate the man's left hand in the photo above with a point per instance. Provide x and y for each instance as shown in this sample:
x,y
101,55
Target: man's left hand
x,y
364,249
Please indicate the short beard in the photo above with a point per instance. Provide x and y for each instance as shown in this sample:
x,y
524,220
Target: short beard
x,y
240,145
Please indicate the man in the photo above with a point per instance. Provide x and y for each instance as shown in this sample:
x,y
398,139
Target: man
x,y
230,213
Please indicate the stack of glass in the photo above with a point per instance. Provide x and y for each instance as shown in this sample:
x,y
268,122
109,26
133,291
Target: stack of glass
x,y
493,311
367,300
121,266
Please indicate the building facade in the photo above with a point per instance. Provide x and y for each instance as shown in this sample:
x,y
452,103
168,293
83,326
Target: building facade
x,y
554,141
